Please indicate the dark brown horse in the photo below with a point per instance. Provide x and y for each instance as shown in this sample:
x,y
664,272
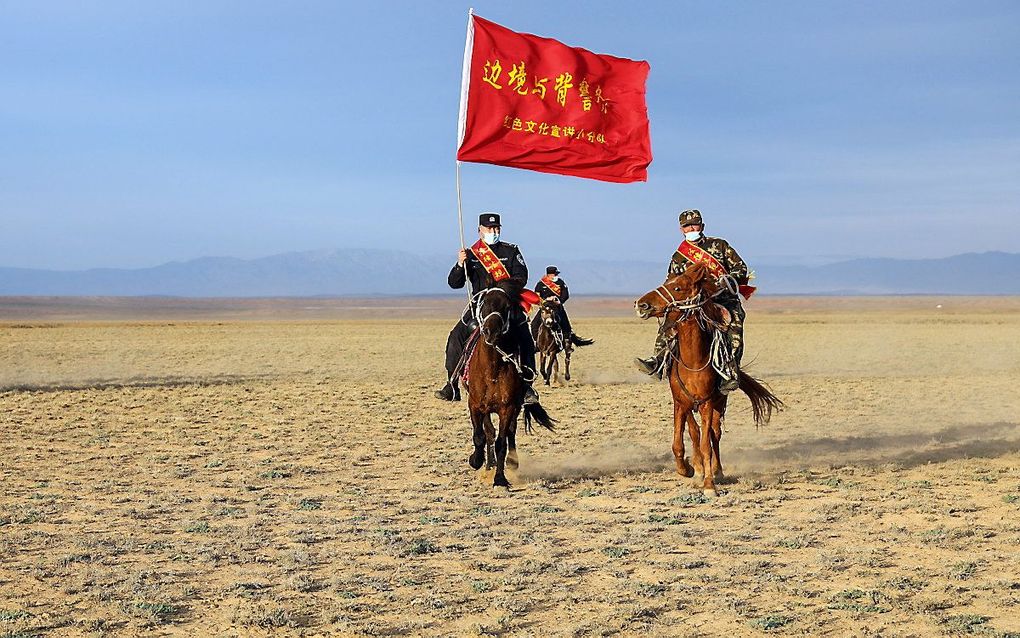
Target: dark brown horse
x,y
686,304
551,341
495,384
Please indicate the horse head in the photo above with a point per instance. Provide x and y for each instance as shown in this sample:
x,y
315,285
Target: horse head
x,y
675,291
549,309
492,311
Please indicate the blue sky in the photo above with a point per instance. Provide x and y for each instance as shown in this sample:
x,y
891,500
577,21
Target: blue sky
x,y
134,133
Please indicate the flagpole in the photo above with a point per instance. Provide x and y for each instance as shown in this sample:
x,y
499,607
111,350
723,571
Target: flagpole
x,y
461,124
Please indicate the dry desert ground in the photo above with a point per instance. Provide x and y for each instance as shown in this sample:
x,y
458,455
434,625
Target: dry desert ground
x,y
236,468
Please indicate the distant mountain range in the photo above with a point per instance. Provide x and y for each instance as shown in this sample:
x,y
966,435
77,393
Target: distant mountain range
x,y
362,272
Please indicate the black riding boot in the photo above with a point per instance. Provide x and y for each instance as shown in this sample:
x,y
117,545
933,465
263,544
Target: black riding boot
x,y
653,364
455,345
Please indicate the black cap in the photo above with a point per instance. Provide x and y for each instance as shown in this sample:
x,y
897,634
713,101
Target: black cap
x,y
552,270
488,219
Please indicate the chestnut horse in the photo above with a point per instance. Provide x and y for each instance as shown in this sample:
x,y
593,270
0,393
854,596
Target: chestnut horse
x,y
685,303
495,384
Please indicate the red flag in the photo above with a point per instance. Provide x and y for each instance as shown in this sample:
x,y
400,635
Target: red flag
x,y
535,103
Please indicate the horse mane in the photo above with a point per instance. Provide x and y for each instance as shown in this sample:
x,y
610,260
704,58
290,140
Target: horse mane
x,y
511,288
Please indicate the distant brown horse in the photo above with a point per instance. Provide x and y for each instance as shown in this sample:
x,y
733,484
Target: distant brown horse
x,y
495,384
551,341
686,303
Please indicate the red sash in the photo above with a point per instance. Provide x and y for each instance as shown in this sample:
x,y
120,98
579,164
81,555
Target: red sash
x,y
552,285
498,272
698,255
490,261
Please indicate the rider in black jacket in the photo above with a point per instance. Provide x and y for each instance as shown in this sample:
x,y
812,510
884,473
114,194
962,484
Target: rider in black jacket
x,y
510,256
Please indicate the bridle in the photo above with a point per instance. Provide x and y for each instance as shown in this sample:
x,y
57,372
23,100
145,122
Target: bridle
x,y
688,309
477,301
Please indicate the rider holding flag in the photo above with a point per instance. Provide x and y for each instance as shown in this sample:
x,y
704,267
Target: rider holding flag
x,y
488,261
730,270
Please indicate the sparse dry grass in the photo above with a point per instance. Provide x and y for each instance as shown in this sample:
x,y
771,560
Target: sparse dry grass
x,y
297,478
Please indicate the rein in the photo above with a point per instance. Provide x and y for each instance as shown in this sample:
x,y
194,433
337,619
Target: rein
x,y
688,309
507,357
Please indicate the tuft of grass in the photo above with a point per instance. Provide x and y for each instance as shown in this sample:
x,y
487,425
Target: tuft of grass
x,y
616,551
859,600
904,583
696,498
651,590
275,474
158,612
421,547
793,542
672,519
265,617
431,520
197,527
1011,498
481,586
768,623
9,615
310,504
694,564
965,623
964,570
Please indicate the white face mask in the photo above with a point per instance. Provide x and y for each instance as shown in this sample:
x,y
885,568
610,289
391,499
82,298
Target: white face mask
x,y
490,238
555,277
693,235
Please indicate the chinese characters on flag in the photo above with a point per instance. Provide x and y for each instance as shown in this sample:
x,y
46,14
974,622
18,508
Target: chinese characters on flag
x,y
535,103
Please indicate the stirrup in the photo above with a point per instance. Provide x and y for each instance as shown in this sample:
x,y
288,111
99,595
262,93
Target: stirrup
x,y
649,365
448,393
729,385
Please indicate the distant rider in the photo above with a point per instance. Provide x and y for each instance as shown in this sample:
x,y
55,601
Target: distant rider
x,y
481,278
553,286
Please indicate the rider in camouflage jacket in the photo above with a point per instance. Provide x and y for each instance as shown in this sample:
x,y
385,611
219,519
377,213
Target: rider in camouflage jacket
x,y
692,225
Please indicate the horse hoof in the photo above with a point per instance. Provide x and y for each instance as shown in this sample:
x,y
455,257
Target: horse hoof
x,y
710,493
475,461
567,377
500,481
685,471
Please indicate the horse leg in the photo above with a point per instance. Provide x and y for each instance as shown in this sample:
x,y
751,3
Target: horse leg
x,y
708,416
717,470
542,366
555,367
490,439
566,360
693,430
511,445
679,418
478,438
505,418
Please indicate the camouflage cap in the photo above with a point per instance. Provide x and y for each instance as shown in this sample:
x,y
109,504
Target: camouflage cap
x,y
691,216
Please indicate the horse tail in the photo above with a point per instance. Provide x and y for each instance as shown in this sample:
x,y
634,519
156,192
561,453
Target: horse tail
x,y
578,341
537,412
763,402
